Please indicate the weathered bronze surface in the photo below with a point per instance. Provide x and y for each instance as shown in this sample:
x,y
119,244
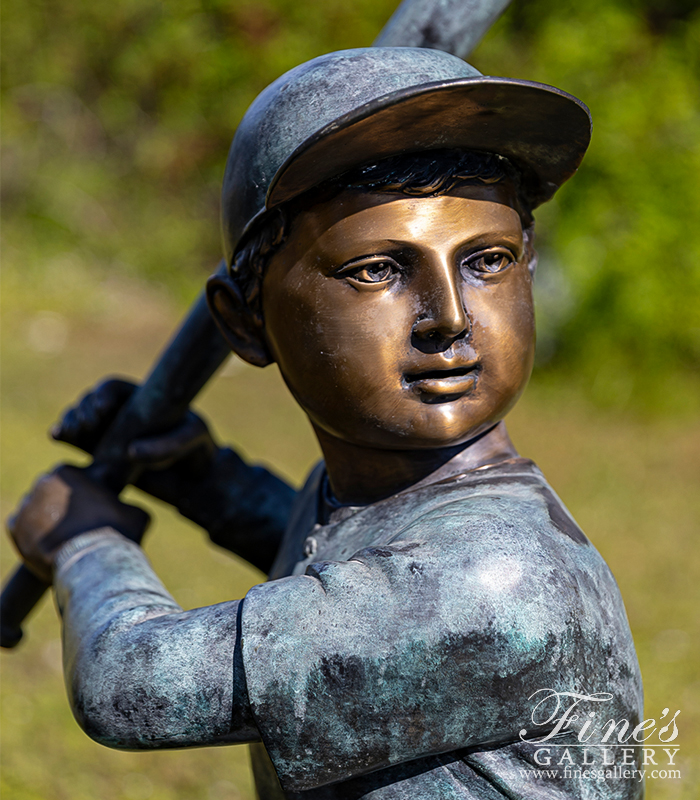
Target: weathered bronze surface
x,y
426,582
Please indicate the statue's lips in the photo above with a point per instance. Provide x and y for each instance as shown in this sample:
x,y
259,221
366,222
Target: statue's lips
x,y
444,383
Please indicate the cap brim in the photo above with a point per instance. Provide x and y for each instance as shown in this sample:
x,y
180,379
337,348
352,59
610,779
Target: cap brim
x,y
542,130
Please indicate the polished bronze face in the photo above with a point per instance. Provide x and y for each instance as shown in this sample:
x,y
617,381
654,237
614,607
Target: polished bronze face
x,y
402,322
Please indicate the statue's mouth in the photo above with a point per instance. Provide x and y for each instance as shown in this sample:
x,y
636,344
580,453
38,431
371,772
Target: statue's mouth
x,y
443,385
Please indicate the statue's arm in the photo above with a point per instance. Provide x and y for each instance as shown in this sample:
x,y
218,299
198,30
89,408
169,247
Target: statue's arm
x,y
140,671
243,508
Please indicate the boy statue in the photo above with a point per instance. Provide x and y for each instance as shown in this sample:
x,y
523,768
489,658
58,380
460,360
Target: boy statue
x,y
426,584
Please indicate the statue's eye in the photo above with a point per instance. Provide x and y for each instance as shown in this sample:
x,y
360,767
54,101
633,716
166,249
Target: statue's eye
x,y
490,261
372,272
375,272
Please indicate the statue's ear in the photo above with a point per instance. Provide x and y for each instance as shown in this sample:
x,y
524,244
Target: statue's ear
x,y
240,326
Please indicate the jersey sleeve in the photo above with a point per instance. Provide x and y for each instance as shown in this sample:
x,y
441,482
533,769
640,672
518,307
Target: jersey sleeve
x,y
141,672
244,509
426,645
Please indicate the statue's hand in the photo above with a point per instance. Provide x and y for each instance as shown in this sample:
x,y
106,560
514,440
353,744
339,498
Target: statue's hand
x,y
243,508
171,463
62,505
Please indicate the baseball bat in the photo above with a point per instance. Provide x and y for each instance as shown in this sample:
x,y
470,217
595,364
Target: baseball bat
x,y
189,360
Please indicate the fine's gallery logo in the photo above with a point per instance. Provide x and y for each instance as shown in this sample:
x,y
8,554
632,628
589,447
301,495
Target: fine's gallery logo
x,y
577,737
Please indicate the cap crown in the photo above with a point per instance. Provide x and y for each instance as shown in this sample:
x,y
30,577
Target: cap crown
x,y
306,99
355,107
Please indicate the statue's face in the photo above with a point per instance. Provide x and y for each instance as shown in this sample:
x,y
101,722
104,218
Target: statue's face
x,y
401,322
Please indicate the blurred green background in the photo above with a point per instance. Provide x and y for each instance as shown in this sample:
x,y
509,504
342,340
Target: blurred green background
x,y
117,118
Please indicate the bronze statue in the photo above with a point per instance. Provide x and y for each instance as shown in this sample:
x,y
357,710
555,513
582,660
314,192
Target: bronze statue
x,y
426,583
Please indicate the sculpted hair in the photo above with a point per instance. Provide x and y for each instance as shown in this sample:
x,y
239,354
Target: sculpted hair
x,y
425,174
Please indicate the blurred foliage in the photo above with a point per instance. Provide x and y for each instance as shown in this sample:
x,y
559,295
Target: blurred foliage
x,y
619,290
118,117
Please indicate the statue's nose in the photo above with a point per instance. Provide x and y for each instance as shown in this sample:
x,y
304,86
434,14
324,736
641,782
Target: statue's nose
x,y
442,315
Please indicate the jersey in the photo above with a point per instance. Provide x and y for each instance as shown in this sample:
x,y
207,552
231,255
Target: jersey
x,y
400,648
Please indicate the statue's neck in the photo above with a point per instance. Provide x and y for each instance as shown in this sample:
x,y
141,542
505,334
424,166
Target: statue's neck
x,y
361,475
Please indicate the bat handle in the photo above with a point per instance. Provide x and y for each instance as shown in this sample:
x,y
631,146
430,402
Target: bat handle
x,y
190,359
19,596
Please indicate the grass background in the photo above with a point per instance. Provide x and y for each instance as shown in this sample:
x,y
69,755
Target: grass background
x,y
116,123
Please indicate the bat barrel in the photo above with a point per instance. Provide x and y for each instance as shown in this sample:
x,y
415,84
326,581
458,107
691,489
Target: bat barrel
x,y
455,26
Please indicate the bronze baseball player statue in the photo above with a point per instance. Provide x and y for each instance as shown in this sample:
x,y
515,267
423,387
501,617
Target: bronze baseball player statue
x,y
426,581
